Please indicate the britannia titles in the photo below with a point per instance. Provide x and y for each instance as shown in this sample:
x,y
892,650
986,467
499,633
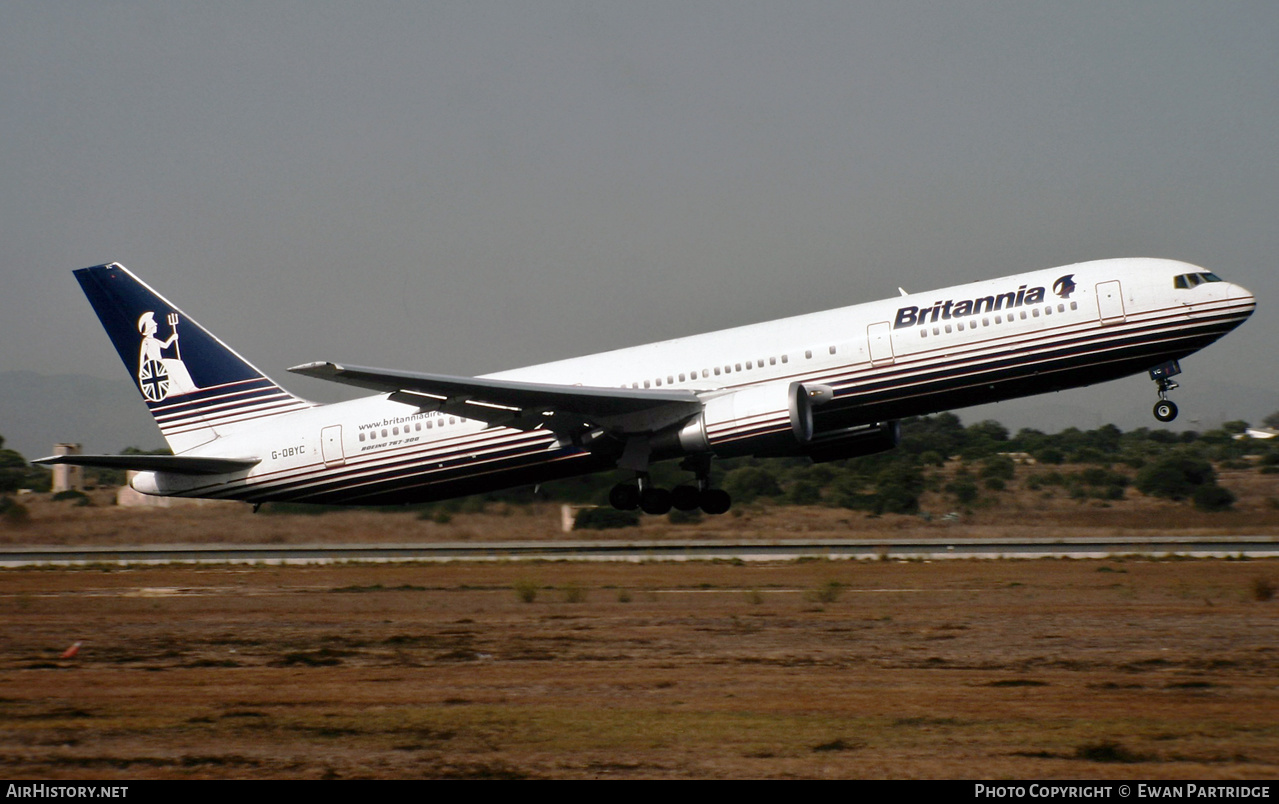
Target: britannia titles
x,y
946,310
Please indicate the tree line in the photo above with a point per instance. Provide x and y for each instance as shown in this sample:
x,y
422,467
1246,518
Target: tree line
x,y
937,453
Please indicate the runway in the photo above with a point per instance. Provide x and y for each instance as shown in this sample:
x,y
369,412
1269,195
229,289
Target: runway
x,y
638,551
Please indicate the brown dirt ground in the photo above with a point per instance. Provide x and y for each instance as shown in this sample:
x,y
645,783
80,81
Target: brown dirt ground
x,y
953,669
1122,668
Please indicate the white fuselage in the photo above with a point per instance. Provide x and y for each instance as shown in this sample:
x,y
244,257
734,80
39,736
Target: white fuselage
x,y
916,354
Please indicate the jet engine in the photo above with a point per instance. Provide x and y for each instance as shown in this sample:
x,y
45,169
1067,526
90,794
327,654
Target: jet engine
x,y
776,420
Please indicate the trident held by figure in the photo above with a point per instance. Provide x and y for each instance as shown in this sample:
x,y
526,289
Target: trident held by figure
x,y
173,328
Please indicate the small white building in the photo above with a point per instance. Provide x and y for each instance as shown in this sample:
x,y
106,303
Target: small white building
x,y
67,478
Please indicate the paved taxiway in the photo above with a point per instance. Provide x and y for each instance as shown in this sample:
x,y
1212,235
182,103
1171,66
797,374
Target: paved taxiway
x,y
746,550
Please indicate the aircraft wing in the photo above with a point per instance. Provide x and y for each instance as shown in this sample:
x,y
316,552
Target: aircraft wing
x,y
522,405
185,464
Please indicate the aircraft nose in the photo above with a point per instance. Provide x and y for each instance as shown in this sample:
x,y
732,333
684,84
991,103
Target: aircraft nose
x,y
1240,293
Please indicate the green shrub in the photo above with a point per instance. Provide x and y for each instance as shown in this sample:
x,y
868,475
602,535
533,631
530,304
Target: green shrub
x,y
15,513
1048,455
1213,498
932,458
525,590
78,497
1263,589
804,492
963,490
749,483
827,592
1175,477
1106,751
998,466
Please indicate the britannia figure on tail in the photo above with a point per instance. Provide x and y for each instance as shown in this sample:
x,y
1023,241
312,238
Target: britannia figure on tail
x,y
160,377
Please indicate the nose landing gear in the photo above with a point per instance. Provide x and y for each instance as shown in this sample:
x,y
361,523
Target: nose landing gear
x,y
1165,408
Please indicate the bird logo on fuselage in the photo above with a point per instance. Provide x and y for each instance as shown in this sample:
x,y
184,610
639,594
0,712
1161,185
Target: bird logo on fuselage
x,y
1065,286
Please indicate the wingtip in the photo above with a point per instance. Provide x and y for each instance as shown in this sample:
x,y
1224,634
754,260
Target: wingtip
x,y
318,367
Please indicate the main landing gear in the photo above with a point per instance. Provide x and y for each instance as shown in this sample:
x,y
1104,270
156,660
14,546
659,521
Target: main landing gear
x,y
1165,408
650,499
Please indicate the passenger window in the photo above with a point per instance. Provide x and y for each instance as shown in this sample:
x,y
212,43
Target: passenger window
x,y
808,354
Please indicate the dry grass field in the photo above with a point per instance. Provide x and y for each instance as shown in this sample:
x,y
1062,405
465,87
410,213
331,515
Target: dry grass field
x,y
1119,668
1017,513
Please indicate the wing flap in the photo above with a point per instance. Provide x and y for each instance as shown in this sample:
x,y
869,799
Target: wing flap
x,y
524,405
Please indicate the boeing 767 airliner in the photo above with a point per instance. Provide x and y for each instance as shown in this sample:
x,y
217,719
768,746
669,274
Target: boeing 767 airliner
x,y
828,385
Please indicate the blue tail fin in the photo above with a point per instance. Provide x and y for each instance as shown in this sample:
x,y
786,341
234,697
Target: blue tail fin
x,y
196,387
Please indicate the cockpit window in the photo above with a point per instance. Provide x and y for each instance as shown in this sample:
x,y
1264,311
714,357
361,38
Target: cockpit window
x,y
1187,281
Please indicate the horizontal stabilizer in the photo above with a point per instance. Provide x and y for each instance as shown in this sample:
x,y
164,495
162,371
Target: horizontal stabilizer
x,y
182,464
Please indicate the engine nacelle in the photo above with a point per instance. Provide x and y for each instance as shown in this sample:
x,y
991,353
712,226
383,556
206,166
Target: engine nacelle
x,y
774,420
738,423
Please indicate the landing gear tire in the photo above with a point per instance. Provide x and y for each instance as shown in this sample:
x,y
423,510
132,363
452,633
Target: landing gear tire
x,y
624,497
716,501
686,498
655,501
1165,411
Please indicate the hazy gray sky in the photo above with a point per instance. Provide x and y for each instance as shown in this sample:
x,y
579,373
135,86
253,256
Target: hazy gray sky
x,y
469,187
